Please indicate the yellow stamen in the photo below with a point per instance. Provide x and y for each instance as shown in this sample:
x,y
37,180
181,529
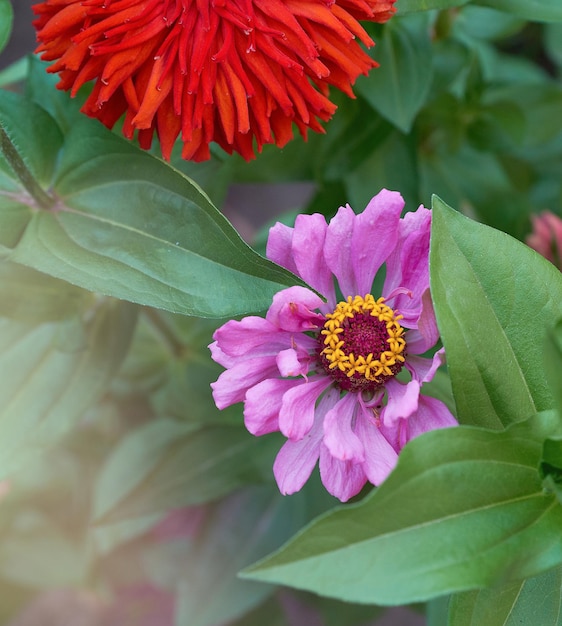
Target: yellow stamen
x,y
366,365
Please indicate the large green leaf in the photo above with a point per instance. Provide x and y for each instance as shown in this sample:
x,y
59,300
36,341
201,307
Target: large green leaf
x,y
494,298
535,10
167,464
399,87
535,600
124,223
464,508
53,372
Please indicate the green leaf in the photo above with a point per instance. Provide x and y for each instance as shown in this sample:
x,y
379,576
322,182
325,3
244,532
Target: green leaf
x,y
6,22
14,73
535,600
40,88
464,508
399,87
34,134
128,225
53,372
493,298
534,10
409,6
167,464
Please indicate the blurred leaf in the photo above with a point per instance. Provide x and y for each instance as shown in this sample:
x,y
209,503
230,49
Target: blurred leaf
x,y
540,105
6,22
536,600
39,555
399,87
268,612
53,372
107,538
409,6
476,516
14,73
237,530
493,299
534,10
486,23
126,224
553,42
32,297
392,164
167,464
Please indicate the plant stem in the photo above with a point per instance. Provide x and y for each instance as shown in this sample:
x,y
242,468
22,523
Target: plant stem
x,y
41,197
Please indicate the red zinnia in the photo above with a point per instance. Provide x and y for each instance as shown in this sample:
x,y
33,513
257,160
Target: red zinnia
x,y
210,70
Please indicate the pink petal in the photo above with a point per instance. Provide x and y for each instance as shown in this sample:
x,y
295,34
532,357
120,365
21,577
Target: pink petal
x,y
293,310
296,459
343,479
308,251
220,357
280,247
422,369
337,250
253,335
263,403
232,384
375,233
402,401
431,414
408,266
298,406
289,364
380,456
339,437
427,333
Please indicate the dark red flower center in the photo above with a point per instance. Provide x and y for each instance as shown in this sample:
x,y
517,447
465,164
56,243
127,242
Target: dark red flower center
x,y
362,345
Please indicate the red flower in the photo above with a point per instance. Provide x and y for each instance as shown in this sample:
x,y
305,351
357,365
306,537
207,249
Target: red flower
x,y
209,70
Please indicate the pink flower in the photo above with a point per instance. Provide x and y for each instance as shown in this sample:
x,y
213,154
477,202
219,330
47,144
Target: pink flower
x,y
325,373
546,237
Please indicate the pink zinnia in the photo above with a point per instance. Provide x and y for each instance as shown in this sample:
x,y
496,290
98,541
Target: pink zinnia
x,y
325,373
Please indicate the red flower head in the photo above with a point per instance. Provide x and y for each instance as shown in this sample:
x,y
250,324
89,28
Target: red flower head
x,y
209,70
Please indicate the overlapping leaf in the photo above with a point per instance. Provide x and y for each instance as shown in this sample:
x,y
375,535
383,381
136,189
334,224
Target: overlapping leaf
x,y
53,372
124,223
494,298
535,600
476,515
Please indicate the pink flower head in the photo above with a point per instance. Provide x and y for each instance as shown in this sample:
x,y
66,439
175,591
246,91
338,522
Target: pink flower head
x,y
546,237
325,373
